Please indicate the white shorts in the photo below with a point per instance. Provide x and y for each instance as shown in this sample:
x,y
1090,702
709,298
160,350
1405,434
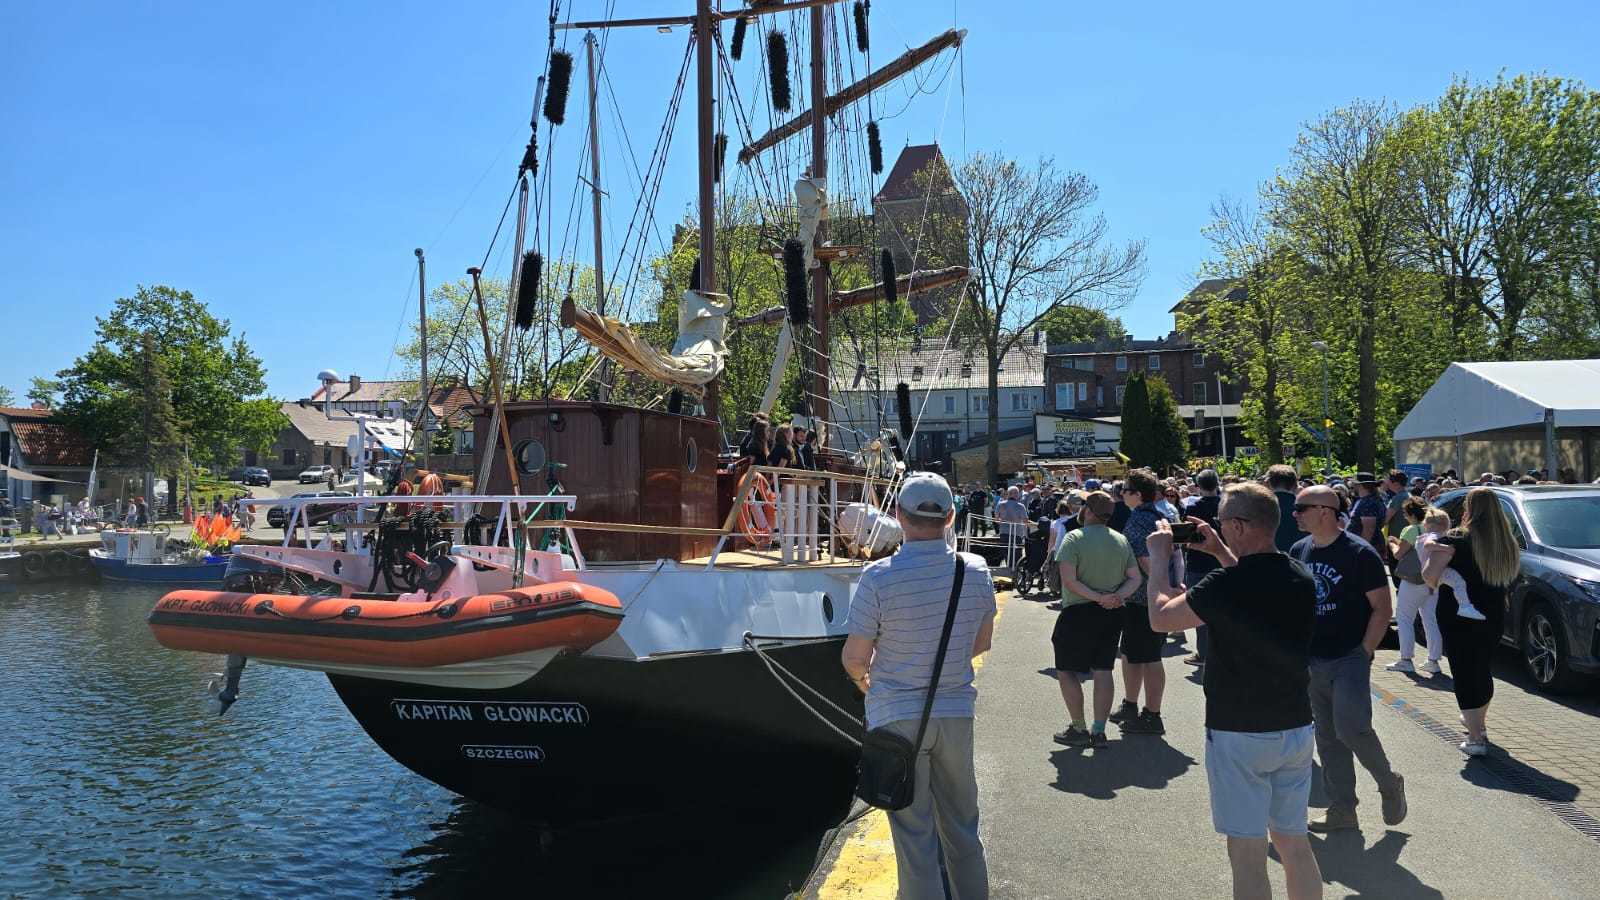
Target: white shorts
x,y
1259,779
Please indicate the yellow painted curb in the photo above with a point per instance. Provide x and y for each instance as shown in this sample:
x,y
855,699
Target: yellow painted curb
x,y
865,867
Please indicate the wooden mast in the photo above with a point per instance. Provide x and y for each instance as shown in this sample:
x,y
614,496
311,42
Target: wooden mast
x,y
603,394
707,139
818,402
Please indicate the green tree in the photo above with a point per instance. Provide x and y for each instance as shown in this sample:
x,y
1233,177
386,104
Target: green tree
x,y
211,372
1169,434
155,444
1081,324
1138,443
6,397
43,390
1340,202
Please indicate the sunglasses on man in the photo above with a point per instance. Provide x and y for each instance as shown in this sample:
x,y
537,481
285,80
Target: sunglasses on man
x,y
1302,507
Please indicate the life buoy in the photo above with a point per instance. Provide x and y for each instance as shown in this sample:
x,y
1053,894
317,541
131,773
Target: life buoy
x,y
759,511
32,564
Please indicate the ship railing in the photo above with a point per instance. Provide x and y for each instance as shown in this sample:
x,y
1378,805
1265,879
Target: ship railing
x,y
353,516
997,537
801,522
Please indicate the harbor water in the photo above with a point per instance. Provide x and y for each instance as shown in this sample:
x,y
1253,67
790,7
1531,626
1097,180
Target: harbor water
x,y
115,781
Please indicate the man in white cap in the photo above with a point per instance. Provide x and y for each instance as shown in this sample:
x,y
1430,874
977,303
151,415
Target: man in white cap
x,y
896,618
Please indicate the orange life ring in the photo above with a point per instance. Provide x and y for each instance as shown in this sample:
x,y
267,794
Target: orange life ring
x,y
759,512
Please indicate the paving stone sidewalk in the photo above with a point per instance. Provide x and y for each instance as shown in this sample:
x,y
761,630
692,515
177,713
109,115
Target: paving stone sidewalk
x,y
1547,746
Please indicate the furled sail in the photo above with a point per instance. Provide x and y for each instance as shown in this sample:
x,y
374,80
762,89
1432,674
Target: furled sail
x,y
696,357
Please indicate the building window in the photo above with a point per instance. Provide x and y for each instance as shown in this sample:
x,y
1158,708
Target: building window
x,y
464,440
1083,391
949,404
1155,362
288,456
1122,364
1100,395
916,373
1199,359
1084,364
888,405
1200,393
1016,402
1120,389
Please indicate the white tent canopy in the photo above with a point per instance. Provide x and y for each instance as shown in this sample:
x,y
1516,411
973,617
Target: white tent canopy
x,y
1491,400
1473,397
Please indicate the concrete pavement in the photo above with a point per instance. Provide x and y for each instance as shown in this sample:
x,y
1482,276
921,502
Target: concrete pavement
x,y
1133,820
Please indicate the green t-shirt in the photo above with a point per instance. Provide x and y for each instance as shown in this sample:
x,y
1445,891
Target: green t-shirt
x,y
1101,557
1410,533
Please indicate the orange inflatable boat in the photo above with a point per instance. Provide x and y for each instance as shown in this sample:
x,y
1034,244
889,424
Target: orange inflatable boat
x,y
387,632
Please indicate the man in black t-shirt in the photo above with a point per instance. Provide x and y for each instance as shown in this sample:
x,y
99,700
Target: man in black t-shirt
x,y
1353,607
1260,607
1197,563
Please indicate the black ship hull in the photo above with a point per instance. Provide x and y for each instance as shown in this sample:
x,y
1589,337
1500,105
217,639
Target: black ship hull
x,y
591,740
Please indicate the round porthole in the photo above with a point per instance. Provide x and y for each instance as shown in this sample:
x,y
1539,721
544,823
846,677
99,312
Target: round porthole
x,y
827,608
691,459
530,457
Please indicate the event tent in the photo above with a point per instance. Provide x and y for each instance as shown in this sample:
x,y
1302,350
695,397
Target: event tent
x,y
1492,416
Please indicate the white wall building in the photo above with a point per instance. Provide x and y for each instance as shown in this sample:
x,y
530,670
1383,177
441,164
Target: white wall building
x,y
949,394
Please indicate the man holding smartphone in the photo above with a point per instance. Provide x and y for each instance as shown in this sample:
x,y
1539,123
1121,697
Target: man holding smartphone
x,y
1260,607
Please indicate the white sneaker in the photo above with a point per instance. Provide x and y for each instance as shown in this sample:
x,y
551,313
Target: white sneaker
x,y
1475,748
1430,667
1468,611
1401,665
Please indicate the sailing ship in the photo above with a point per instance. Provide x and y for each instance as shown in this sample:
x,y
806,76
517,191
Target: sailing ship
x,y
622,619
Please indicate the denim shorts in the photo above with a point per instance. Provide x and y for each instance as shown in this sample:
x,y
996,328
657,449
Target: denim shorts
x,y
1259,779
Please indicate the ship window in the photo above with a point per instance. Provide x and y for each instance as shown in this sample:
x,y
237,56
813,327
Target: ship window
x,y
691,459
827,608
530,457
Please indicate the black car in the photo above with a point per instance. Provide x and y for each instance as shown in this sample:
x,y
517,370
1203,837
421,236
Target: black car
x,y
316,513
1553,612
256,475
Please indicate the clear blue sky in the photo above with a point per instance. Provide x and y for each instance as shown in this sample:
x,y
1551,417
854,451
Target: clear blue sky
x,y
282,162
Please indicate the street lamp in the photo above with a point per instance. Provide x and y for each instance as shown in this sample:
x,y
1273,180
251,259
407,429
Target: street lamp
x,y
1327,429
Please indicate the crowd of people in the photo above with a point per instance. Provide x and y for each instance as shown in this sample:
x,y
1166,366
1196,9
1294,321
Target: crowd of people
x,y
1289,582
780,446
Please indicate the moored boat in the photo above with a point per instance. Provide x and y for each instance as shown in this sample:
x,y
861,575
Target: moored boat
x,y
141,554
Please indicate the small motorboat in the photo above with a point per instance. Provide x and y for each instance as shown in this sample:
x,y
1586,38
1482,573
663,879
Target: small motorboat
x,y
141,554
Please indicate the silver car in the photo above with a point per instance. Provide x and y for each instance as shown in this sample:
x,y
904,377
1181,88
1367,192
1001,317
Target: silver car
x,y
1553,611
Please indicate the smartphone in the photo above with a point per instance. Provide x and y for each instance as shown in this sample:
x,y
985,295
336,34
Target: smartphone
x,y
1185,532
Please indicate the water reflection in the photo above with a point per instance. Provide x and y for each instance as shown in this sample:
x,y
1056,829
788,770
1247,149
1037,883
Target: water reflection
x,y
114,779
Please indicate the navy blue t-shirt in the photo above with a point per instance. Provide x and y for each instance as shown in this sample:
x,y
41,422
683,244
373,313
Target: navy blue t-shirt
x,y
1345,570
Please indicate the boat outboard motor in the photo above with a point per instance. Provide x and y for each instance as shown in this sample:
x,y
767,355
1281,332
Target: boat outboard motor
x,y
224,685
432,572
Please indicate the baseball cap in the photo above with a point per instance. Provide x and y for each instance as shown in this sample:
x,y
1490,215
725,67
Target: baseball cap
x,y
927,495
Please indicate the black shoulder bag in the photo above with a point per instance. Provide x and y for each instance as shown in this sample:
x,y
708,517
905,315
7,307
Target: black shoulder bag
x,y
887,776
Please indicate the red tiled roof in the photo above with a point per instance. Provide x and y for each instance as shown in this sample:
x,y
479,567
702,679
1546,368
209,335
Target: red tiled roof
x,y
49,444
19,412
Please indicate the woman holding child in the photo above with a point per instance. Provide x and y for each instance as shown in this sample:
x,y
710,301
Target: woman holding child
x,y
1484,553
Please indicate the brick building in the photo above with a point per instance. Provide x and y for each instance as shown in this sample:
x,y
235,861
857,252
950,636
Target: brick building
x,y
921,220
1088,379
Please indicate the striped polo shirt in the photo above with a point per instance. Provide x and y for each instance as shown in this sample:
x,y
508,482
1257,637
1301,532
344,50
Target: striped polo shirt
x,y
900,604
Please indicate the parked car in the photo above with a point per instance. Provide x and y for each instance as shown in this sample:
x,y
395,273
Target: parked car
x,y
256,475
316,513
315,474
1553,613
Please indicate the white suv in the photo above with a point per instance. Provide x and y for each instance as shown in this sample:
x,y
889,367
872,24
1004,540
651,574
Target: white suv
x,y
315,474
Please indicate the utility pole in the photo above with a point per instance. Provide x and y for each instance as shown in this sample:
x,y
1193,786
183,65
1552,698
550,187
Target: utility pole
x,y
422,327
1327,423
1222,418
603,379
